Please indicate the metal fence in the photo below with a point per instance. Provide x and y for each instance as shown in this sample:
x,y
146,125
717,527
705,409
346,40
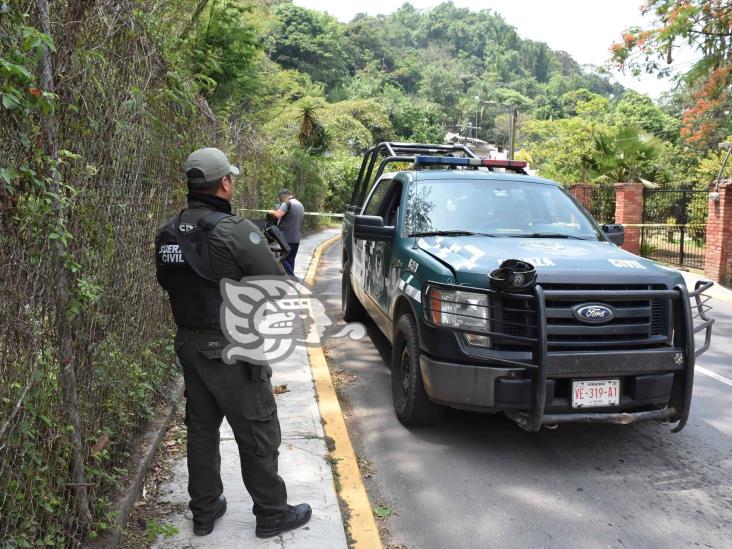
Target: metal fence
x,y
674,226
602,202
83,326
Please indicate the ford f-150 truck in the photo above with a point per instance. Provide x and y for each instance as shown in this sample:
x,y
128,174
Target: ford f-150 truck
x,y
598,335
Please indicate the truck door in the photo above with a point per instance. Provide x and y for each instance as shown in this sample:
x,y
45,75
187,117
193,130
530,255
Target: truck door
x,y
368,256
387,269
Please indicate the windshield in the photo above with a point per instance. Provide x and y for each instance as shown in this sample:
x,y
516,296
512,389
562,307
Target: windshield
x,y
495,208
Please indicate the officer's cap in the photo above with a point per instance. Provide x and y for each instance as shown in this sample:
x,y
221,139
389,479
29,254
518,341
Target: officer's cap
x,y
205,167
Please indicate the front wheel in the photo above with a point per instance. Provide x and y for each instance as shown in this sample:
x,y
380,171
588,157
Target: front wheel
x,y
411,403
353,310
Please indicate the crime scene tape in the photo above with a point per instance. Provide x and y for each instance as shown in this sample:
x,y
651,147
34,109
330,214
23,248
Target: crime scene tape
x,y
318,214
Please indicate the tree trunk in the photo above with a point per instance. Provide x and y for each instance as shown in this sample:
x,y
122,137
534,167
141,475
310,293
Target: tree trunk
x,y
63,331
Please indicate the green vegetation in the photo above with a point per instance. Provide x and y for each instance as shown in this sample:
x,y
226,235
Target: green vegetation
x,y
703,97
413,75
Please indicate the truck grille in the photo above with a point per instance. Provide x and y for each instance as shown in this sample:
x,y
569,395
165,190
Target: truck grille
x,y
638,322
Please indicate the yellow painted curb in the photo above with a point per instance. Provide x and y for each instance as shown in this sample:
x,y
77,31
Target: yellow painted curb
x,y
315,259
361,524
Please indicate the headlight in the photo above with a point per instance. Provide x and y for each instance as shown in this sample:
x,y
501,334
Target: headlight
x,y
459,309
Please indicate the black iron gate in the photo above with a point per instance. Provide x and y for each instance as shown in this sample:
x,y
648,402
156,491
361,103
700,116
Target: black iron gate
x,y
602,202
674,226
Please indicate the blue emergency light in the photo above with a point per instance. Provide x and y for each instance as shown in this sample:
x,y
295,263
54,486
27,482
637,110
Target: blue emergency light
x,y
423,160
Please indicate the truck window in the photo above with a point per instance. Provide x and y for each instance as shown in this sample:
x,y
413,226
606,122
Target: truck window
x,y
391,204
499,208
377,197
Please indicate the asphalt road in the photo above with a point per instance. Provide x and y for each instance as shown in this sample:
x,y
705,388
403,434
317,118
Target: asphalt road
x,y
478,481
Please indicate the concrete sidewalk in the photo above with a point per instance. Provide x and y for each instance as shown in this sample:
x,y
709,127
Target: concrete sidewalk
x,y
302,464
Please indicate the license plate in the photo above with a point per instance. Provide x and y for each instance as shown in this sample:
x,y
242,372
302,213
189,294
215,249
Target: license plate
x,y
595,393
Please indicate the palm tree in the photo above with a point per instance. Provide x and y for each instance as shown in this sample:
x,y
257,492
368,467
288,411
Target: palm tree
x,y
623,154
312,135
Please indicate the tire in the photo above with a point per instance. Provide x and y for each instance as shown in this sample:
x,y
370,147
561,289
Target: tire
x,y
353,310
411,403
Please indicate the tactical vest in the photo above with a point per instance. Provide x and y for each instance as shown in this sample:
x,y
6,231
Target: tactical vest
x,y
183,268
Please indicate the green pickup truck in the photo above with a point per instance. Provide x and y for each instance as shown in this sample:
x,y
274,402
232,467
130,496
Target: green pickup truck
x,y
597,335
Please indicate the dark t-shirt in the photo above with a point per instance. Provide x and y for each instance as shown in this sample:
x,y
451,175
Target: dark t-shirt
x,y
291,223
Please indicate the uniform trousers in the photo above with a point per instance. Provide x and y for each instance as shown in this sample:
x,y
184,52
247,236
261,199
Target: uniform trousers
x,y
242,393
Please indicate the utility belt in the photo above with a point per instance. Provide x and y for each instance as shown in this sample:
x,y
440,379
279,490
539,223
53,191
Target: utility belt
x,y
211,344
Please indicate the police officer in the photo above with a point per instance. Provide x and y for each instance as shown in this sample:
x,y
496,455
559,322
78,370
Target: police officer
x,y
195,249
289,215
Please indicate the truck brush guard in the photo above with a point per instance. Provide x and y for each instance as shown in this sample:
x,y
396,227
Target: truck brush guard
x,y
689,318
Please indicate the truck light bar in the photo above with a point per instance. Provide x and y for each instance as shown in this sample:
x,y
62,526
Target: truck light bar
x,y
504,163
422,160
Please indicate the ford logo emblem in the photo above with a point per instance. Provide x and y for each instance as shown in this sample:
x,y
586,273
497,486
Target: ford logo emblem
x,y
593,313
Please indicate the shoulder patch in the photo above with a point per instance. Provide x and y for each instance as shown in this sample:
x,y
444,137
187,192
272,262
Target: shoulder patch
x,y
255,238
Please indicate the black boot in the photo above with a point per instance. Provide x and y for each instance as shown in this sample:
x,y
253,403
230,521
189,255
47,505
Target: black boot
x,y
205,528
294,517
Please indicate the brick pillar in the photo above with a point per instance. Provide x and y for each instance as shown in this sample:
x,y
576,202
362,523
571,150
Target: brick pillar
x,y
583,193
629,211
718,255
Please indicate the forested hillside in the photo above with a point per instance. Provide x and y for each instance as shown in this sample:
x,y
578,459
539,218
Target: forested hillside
x,y
413,75
410,75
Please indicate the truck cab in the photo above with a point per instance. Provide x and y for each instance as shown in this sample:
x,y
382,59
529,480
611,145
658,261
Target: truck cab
x,y
600,335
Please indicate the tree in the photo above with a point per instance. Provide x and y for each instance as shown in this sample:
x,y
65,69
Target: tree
x,y
583,101
366,42
311,134
548,107
440,85
623,154
223,51
639,110
536,58
413,119
372,115
311,42
561,149
705,26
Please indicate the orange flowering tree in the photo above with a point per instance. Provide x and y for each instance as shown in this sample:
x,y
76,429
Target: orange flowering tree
x,y
706,27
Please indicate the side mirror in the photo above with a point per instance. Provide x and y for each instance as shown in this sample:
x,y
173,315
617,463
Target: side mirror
x,y
614,233
371,227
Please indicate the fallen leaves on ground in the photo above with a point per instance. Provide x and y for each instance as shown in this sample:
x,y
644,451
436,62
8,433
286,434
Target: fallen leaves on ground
x,y
341,376
366,466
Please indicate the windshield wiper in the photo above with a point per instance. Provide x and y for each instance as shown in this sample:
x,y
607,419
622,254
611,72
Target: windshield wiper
x,y
448,233
548,235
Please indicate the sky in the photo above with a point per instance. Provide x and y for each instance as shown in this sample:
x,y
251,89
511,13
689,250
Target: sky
x,y
583,28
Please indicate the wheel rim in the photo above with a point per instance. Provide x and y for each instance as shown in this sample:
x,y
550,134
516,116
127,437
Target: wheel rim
x,y
404,370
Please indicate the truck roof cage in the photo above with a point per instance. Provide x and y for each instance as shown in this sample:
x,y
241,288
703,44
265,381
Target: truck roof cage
x,y
421,155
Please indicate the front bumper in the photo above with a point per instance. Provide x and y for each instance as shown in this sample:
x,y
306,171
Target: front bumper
x,y
497,389
656,383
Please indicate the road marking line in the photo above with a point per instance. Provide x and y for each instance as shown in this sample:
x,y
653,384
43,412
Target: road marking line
x,y
361,524
713,375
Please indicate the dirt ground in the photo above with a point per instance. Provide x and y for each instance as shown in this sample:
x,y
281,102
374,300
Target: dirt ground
x,y
145,522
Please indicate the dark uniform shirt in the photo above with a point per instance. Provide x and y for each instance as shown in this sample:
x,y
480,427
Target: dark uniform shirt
x,y
237,248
